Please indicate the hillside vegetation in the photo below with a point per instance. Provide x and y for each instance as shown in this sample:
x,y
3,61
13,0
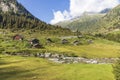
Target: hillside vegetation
x,y
18,18
84,23
99,48
95,23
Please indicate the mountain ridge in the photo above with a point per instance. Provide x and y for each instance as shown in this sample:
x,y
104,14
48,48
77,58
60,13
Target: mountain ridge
x,y
102,22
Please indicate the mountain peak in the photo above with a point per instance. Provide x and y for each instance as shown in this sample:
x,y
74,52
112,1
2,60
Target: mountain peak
x,y
105,10
12,6
7,0
8,5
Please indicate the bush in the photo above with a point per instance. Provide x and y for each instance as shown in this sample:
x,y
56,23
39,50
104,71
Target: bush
x,y
116,70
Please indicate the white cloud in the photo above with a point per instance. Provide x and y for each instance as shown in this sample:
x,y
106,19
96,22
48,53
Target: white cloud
x,y
60,16
77,7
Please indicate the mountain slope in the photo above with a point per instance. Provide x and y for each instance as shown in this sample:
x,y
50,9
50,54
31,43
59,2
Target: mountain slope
x,y
113,17
14,16
105,10
83,23
110,22
97,22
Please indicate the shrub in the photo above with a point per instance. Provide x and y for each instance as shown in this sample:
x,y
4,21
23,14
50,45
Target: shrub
x,y
116,70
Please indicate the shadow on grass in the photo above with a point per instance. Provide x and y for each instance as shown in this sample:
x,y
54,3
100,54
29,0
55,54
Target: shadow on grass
x,y
15,70
15,73
2,62
8,72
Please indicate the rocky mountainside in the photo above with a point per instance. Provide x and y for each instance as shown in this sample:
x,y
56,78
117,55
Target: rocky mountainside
x,y
113,17
105,10
12,6
102,22
83,23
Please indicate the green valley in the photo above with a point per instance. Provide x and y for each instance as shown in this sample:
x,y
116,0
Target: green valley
x,y
86,47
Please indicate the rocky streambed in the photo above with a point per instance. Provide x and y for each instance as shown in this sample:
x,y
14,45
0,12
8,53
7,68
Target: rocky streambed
x,y
83,60
62,58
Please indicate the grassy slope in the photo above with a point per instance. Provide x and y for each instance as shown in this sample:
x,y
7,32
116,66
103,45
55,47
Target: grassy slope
x,y
100,48
86,23
22,68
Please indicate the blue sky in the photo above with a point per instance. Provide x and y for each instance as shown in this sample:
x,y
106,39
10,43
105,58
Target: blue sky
x,y
43,9
53,11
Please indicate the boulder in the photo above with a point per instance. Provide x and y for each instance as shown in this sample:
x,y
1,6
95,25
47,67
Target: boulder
x,y
64,41
76,42
48,40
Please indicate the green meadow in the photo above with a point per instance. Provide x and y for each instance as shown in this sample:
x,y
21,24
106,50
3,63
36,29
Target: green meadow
x,y
30,68
101,48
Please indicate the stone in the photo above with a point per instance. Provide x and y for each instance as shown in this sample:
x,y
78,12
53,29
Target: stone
x,y
48,40
47,55
42,55
90,41
64,41
76,43
55,56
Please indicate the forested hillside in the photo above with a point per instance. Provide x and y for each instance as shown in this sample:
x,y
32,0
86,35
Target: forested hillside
x,y
15,17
